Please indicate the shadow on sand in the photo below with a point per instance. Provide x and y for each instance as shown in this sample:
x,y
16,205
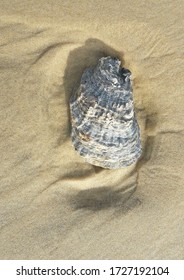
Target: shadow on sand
x,y
99,198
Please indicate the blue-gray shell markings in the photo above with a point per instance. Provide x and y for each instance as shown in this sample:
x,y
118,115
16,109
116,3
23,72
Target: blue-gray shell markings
x,y
104,127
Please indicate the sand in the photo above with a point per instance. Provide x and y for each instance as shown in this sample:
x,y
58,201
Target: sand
x,y
53,205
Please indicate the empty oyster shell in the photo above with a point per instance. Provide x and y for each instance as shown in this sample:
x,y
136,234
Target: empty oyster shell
x,y
104,127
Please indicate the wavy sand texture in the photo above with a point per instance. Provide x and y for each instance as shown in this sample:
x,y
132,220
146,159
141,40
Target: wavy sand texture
x,y
52,204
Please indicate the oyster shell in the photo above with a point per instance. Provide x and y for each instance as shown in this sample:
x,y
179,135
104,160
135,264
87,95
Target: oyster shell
x,y
104,127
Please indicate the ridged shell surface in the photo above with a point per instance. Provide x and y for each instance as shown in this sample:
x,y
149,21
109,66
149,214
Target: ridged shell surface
x,y
104,127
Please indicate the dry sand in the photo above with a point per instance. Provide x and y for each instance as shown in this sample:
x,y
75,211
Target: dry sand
x,y
53,205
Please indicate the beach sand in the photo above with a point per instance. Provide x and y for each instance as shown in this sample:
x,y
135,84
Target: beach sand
x,y
54,205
